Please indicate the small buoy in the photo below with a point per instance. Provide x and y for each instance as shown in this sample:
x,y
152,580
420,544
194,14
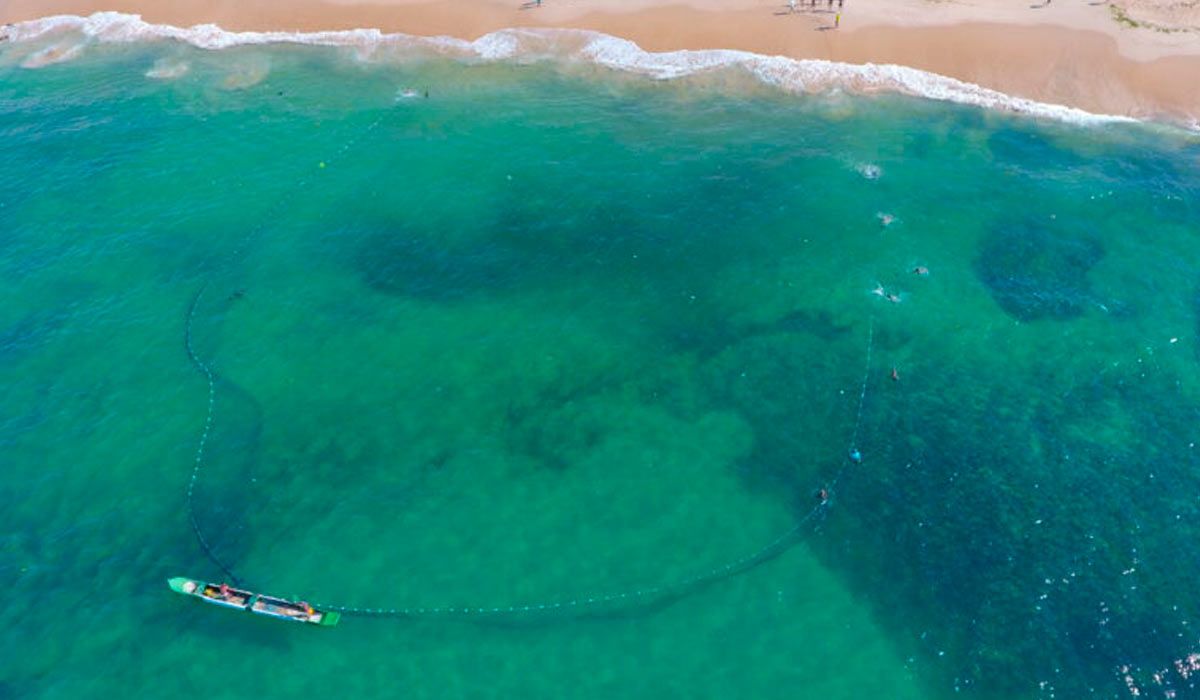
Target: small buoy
x,y
322,164
855,456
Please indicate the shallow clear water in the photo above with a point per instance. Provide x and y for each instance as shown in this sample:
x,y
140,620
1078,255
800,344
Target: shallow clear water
x,y
553,334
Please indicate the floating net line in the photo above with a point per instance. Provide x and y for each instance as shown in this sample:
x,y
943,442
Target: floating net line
x,y
235,254
269,215
646,596
641,597
654,594
210,378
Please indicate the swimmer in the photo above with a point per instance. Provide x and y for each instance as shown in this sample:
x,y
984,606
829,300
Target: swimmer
x,y
895,375
885,220
922,271
409,93
870,171
855,456
878,290
894,298
823,495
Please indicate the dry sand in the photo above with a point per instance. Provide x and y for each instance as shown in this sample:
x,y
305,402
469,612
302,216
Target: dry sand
x,y
1138,58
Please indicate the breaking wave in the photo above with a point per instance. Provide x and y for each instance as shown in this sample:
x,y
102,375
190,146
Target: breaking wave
x,y
793,75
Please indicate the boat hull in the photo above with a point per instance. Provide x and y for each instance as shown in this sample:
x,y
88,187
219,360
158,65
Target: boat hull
x,y
237,599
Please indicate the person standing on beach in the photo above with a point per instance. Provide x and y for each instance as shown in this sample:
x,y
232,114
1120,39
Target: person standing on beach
x,y
791,6
837,19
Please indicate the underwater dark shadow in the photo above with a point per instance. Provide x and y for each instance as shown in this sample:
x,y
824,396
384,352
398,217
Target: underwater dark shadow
x,y
224,488
1034,271
945,538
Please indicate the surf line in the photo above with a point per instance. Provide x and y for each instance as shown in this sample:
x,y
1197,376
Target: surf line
x,y
640,597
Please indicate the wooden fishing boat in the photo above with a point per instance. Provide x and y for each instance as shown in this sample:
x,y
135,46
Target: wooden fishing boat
x,y
230,597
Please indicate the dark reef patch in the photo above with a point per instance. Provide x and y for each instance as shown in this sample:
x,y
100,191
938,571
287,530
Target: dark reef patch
x,y
29,334
1036,272
819,323
410,265
711,336
790,387
977,530
1027,148
226,487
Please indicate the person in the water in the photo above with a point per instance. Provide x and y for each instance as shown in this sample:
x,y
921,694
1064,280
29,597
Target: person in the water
x,y
879,291
855,456
919,270
895,375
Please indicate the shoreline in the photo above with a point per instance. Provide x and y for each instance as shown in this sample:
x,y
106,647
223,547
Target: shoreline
x,y
1137,73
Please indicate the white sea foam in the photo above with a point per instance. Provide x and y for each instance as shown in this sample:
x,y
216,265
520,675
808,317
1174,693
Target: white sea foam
x,y
808,75
247,73
59,53
869,171
168,69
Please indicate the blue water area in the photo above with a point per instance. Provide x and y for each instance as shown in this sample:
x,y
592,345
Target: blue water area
x,y
549,380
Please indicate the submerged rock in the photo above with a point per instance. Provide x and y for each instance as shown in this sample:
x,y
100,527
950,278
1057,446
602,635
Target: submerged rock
x,y
1034,272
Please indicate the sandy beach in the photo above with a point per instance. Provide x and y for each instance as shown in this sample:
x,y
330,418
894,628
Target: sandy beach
x,y
1139,59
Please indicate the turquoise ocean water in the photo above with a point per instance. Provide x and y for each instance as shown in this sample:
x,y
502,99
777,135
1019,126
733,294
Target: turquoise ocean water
x,y
562,336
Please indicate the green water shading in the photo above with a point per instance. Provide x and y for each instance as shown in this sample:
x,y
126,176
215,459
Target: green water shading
x,y
553,334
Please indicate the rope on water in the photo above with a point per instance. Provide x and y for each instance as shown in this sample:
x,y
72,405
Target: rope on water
x,y
638,597
646,596
209,377
270,215
853,456
862,395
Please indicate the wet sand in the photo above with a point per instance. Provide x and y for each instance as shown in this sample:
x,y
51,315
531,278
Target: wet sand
x,y
1071,53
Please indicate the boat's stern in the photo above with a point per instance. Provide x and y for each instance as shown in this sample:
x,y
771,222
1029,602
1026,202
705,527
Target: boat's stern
x,y
329,619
